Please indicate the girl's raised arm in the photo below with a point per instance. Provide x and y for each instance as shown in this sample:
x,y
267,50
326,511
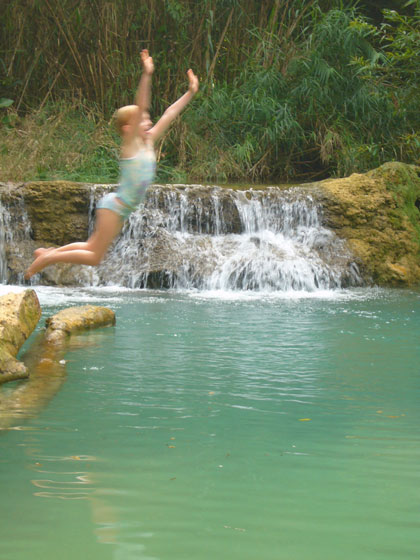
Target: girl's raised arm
x,y
175,109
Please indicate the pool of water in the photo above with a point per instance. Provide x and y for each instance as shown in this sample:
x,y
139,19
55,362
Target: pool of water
x,y
220,426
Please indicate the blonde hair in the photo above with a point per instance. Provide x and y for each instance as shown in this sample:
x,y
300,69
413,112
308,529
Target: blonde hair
x,y
123,116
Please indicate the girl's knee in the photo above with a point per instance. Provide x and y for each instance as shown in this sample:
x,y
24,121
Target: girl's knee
x,y
96,253
96,259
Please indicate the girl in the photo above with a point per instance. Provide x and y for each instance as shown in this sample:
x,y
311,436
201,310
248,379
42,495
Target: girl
x,y
137,171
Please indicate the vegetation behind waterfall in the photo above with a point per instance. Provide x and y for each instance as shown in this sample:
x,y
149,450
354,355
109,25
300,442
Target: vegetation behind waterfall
x,y
290,90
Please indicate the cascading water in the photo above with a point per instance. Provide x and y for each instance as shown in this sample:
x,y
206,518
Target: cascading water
x,y
3,229
209,238
14,231
204,238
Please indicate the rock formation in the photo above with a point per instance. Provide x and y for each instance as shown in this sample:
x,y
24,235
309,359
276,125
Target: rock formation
x,y
19,315
76,319
44,363
377,214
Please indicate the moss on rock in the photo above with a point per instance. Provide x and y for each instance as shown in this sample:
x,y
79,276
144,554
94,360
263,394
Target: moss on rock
x,y
58,211
378,214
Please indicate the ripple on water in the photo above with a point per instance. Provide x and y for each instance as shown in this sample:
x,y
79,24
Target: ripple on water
x,y
267,428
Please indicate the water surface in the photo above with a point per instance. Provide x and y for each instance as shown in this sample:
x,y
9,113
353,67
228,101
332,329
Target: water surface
x,y
235,427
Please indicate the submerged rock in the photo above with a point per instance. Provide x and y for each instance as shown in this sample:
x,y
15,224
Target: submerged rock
x,y
76,319
19,315
44,360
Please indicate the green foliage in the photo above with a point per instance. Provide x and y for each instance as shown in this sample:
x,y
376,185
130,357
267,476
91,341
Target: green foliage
x,y
347,118
401,37
293,89
328,112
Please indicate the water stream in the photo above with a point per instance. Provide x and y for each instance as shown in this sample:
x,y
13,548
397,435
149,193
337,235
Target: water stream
x,y
15,231
4,228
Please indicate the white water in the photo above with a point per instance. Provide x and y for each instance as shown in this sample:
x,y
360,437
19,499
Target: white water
x,y
15,227
282,244
210,239
3,229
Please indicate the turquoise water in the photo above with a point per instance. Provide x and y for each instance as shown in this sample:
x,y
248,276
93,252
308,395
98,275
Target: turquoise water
x,y
207,427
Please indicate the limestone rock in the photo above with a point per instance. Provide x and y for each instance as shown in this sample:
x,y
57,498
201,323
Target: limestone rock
x,y
50,204
76,319
378,214
19,315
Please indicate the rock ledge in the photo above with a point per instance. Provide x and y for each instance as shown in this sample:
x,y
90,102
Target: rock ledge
x,y
75,319
19,315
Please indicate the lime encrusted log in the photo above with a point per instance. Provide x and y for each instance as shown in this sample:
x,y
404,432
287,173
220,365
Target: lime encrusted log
x,y
76,319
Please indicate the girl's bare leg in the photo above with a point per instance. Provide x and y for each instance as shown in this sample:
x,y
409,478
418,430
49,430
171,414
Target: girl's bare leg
x,y
70,246
41,250
91,252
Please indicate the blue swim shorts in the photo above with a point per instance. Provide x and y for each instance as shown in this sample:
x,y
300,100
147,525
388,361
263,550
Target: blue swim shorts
x,y
112,202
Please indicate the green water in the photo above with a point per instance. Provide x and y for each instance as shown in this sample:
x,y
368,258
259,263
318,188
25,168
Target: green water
x,y
216,428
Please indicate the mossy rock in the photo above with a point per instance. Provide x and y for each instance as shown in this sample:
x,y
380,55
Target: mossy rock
x,y
58,211
378,214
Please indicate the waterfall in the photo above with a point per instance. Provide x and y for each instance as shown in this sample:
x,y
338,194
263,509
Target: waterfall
x,y
15,230
4,227
209,238
201,238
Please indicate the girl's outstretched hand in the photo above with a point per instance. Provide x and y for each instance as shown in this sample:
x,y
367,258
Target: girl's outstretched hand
x,y
193,82
147,61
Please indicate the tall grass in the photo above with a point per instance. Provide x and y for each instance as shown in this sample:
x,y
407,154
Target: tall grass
x,y
90,49
60,141
290,89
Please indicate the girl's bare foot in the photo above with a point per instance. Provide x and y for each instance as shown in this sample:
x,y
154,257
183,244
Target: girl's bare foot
x,y
41,250
38,264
